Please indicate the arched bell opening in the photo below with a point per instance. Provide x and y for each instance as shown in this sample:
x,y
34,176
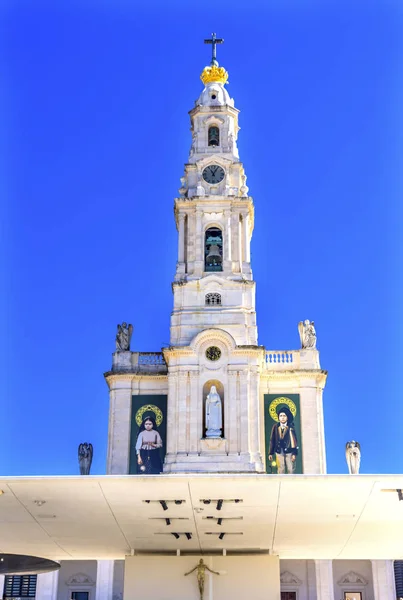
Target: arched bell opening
x,y
213,136
213,249
207,388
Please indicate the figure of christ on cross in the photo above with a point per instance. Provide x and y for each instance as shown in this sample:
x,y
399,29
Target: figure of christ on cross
x,y
214,41
201,575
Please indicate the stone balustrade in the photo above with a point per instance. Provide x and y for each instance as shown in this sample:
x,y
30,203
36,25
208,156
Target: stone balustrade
x,y
139,362
291,360
275,360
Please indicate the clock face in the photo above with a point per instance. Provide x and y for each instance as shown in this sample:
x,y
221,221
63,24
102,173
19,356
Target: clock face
x,y
213,174
213,353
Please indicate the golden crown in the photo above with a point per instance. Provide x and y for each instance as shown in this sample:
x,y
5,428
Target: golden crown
x,y
214,74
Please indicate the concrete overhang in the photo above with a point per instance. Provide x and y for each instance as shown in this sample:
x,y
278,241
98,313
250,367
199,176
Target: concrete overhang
x,y
294,516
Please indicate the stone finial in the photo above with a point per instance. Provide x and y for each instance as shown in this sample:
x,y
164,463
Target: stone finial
x,y
85,454
307,334
353,457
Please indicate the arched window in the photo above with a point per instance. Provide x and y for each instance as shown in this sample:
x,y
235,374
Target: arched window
x,y
213,299
213,136
213,249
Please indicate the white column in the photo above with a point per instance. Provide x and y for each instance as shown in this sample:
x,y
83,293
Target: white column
x,y
199,246
195,434
246,241
46,586
104,586
172,414
2,579
181,238
227,215
383,577
324,580
313,435
120,409
181,412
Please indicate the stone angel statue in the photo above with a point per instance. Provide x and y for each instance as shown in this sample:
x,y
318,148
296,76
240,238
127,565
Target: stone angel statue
x,y
353,457
307,334
123,337
85,454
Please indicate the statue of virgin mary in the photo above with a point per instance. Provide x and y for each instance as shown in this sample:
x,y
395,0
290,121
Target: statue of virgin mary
x,y
213,414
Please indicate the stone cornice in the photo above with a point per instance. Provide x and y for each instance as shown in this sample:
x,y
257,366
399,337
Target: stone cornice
x,y
112,376
296,375
224,108
206,279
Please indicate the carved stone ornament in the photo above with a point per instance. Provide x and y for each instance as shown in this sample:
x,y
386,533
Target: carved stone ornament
x,y
352,577
289,578
80,579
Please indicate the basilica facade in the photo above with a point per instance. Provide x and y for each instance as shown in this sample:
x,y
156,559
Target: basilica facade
x,y
216,482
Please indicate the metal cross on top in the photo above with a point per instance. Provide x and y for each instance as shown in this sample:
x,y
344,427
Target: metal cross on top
x,y
214,41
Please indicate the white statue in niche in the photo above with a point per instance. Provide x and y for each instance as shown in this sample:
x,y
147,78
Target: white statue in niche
x,y
213,414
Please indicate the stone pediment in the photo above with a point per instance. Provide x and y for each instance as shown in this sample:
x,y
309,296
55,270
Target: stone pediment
x,y
80,579
352,577
289,578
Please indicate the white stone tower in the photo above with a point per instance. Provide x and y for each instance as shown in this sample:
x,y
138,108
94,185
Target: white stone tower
x,y
213,336
213,324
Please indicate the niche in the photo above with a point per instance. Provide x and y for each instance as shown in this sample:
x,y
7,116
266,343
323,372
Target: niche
x,y
220,390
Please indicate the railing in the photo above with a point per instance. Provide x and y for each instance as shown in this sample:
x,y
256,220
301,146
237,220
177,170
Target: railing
x,y
151,358
290,360
139,362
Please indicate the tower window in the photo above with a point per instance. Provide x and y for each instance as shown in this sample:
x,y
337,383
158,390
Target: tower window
x,y
213,299
213,249
213,136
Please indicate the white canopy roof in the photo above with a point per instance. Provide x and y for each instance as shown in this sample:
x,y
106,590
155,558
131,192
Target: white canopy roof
x,y
294,516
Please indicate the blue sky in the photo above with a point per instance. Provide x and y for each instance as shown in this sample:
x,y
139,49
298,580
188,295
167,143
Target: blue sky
x,y
96,131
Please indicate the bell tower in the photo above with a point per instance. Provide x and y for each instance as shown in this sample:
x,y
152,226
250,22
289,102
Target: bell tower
x,y
213,358
213,395
214,215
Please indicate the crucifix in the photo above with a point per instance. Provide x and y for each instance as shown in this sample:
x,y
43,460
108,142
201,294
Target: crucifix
x,y
201,575
214,41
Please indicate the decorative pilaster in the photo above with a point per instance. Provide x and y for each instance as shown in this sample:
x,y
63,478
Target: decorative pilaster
x,y
313,456
227,241
256,444
119,425
182,412
384,580
181,238
244,416
199,262
46,586
104,586
172,414
324,580
195,417
246,243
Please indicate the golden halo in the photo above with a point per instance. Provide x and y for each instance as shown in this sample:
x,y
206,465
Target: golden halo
x,y
159,417
281,400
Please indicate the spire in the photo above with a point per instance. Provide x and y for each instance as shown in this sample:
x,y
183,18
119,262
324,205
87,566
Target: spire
x,y
214,73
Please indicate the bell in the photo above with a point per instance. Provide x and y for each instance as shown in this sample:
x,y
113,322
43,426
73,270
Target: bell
x,y
213,257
